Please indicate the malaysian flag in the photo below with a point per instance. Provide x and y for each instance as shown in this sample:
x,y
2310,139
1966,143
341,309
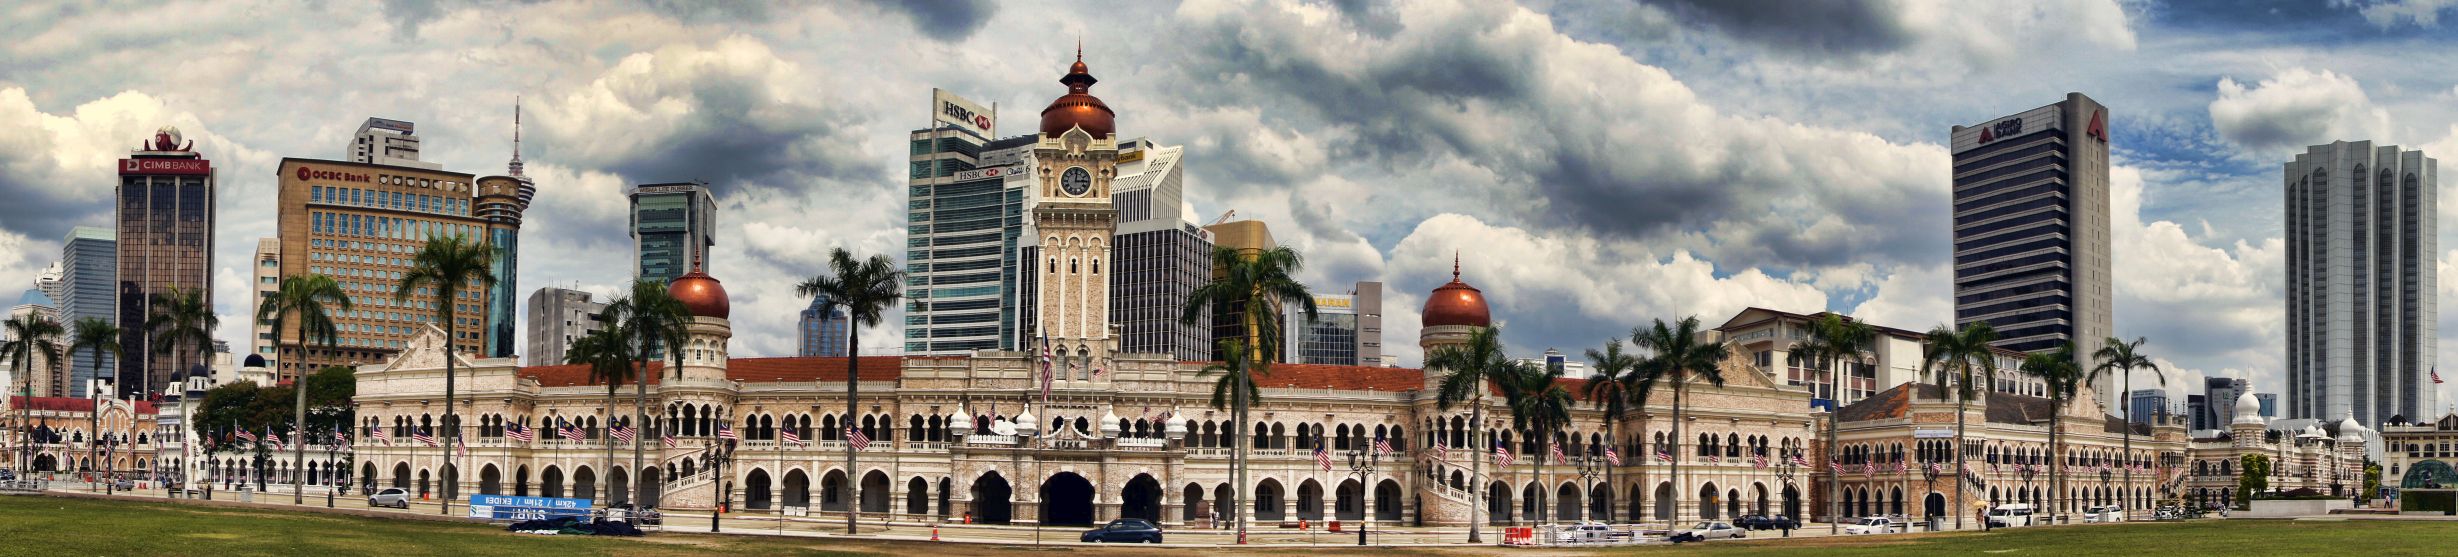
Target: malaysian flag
x,y
382,436
621,433
1321,456
521,433
1759,461
1382,445
249,436
341,438
1046,372
789,437
1662,456
1798,460
274,439
1558,457
1837,467
461,442
669,439
1712,458
423,435
1869,468
2436,375
1612,457
727,433
855,437
570,433
1442,450
1502,454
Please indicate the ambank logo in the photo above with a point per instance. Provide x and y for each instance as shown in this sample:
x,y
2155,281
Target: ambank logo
x,y
306,173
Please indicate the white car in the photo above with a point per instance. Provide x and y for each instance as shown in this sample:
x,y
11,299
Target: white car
x,y
1707,531
2013,515
390,497
1589,532
1875,525
2103,513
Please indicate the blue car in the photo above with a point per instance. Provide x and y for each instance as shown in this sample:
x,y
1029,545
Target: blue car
x,y
1125,530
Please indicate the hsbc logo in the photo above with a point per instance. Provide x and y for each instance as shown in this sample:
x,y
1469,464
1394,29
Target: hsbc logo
x,y
959,113
306,173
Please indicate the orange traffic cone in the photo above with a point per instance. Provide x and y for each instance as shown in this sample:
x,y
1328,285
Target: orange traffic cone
x,y
934,532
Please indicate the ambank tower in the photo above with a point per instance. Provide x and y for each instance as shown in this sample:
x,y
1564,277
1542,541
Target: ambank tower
x,y
2031,243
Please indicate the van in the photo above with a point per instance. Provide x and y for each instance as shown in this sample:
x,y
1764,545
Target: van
x,y
2104,513
2012,515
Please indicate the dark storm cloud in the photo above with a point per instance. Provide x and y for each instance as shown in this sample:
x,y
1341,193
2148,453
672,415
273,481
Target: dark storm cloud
x,y
1375,17
1834,27
408,15
946,20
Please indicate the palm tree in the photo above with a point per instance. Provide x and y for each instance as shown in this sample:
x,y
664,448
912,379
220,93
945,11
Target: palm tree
x,y
98,336
866,289
29,335
609,357
1616,389
1832,341
307,297
449,267
1469,371
1233,372
1252,283
180,319
646,320
2058,371
1540,408
1952,357
1677,354
2123,358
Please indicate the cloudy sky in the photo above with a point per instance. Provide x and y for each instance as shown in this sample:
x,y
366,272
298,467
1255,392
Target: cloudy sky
x,y
1597,164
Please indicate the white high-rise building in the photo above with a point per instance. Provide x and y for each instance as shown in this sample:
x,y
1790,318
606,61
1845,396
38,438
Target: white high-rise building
x,y
2361,308
2031,244
558,317
388,142
268,283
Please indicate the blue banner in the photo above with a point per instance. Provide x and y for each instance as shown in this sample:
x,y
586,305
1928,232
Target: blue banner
x,y
506,507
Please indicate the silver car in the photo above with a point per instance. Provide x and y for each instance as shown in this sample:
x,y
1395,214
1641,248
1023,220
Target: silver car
x,y
390,497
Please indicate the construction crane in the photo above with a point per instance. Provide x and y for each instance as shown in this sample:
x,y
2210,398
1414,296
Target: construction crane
x,y
1224,217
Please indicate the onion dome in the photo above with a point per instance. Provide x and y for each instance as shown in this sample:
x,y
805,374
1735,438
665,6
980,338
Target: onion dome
x,y
1027,424
1078,108
701,294
2248,409
1109,424
2349,430
1457,303
1176,426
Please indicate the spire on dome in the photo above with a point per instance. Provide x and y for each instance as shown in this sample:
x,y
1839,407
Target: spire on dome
x,y
1454,265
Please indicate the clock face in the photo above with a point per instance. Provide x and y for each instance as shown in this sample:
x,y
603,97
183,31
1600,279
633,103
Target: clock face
x,y
1075,181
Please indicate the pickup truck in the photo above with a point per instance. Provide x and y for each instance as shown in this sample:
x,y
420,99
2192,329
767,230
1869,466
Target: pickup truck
x,y
1875,525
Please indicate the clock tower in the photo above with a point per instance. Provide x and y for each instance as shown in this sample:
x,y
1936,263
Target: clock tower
x,y
1074,162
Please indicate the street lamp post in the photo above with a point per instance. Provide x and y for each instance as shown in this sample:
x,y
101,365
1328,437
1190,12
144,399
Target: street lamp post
x,y
719,455
1785,470
1361,461
2104,476
331,446
1589,467
2027,471
1028,439
1928,473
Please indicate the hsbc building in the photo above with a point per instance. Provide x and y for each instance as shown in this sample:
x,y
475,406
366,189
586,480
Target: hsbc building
x,y
2031,245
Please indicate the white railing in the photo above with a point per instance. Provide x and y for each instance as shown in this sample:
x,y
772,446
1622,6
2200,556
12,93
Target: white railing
x,y
1130,442
984,439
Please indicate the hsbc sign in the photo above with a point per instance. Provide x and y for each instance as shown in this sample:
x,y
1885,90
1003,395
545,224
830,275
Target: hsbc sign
x,y
194,167
992,172
306,173
949,108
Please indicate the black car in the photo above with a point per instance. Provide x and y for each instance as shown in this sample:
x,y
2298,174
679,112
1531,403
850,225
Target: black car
x,y
1128,530
1764,522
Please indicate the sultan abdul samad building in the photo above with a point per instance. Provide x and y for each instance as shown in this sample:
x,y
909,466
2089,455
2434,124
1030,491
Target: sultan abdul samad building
x,y
1132,435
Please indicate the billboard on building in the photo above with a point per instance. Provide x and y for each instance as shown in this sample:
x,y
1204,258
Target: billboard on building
x,y
189,167
948,108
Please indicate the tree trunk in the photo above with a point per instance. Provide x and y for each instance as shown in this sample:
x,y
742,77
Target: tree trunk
x,y
611,386
1834,410
1961,403
1608,466
2128,462
640,412
1476,466
452,426
853,396
1679,385
298,453
2056,469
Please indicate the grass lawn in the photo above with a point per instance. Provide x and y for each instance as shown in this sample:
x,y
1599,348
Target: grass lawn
x,y
2230,538
49,526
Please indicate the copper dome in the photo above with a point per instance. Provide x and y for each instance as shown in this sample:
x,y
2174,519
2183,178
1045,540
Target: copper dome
x,y
700,294
1078,108
1457,303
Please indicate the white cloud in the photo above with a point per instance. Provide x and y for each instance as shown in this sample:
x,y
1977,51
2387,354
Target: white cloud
x,y
1914,297
2390,13
2279,116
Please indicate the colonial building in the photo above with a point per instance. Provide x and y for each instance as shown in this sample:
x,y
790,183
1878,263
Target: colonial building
x,y
2311,459
2418,455
1895,455
61,434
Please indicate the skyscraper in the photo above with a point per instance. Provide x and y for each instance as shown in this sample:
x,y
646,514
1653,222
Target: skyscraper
x,y
2219,400
1248,237
166,222
673,225
501,202
2031,248
362,223
2147,405
966,195
268,282
1162,256
1347,329
44,378
2361,274
557,317
89,269
823,333
388,142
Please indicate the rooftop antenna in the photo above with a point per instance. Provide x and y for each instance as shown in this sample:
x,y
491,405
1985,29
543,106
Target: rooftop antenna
x,y
516,136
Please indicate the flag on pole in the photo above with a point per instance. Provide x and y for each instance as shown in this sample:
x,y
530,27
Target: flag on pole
x,y
1663,456
1382,446
1837,467
1798,460
520,433
341,438
1502,454
274,439
854,436
787,436
1759,461
1046,373
727,433
461,442
570,433
1442,449
246,435
423,436
621,433
1558,457
669,437
1613,457
382,436
2436,375
1321,456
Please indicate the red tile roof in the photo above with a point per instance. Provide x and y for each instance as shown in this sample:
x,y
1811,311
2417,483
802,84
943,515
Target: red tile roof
x,y
67,404
1343,378
747,370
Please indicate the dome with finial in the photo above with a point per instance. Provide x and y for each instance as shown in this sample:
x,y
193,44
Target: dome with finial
x,y
1078,108
2349,430
2248,409
1457,303
700,294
